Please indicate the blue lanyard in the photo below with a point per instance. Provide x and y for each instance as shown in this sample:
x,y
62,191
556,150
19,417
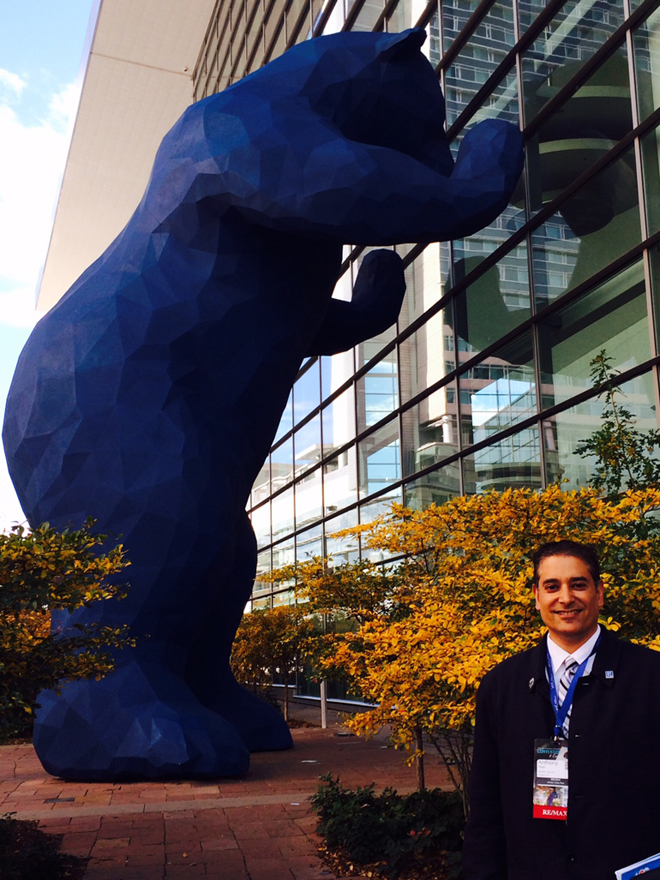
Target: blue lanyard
x,y
562,711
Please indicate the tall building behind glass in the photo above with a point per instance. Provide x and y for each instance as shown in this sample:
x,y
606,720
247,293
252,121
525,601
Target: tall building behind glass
x,y
484,382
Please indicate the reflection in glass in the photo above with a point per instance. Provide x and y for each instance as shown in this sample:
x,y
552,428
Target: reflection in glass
x,y
566,430
263,568
261,487
497,302
309,499
281,464
340,549
576,136
455,15
286,422
380,459
512,463
284,554
424,282
283,597
429,430
309,543
435,488
612,316
339,421
377,392
282,513
565,44
426,356
379,506
307,445
499,392
340,480
646,48
477,60
599,223
306,393
260,519
651,165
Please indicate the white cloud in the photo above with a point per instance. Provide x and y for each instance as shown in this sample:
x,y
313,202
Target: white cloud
x,y
11,82
32,158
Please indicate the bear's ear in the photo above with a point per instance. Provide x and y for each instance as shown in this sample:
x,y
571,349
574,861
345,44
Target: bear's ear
x,y
397,47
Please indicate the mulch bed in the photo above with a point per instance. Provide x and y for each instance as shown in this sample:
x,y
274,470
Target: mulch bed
x,y
26,853
431,869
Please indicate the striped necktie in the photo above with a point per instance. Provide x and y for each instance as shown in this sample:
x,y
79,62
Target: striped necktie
x,y
570,665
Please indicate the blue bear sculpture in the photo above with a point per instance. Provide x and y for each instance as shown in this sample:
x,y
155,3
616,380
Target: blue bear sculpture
x,y
148,397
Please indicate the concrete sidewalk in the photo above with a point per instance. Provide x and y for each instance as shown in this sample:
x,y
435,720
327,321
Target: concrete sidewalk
x,y
258,827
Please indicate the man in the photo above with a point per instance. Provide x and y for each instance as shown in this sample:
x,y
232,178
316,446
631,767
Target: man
x,y
609,691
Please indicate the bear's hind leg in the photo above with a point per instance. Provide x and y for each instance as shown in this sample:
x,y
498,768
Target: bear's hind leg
x,y
260,726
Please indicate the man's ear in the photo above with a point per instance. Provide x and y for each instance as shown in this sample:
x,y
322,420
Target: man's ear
x,y
536,597
398,47
600,589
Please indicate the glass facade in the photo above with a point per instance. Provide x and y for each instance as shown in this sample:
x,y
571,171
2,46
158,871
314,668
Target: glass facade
x,y
484,382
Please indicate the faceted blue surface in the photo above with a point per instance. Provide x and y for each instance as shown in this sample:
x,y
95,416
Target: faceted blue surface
x,y
148,397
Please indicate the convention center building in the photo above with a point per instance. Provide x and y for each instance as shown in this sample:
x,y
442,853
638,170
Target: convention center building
x,y
484,382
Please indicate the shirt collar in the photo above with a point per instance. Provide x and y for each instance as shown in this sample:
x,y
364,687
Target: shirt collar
x,y
558,655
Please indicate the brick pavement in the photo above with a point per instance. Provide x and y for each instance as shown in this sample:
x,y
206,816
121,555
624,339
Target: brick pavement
x,y
258,827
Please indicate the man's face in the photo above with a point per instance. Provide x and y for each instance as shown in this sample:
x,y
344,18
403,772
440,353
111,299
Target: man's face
x,y
569,600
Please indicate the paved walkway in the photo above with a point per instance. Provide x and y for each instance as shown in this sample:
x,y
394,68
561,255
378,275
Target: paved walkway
x,y
259,827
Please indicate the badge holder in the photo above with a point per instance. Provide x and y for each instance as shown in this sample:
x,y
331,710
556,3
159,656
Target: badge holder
x,y
550,779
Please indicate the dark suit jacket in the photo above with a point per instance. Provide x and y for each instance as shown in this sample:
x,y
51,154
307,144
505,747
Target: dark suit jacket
x,y
614,769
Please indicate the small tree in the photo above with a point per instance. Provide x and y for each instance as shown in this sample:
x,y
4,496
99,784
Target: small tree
x,y
626,458
43,571
272,641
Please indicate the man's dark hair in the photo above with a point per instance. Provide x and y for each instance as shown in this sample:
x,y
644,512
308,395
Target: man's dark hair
x,y
585,552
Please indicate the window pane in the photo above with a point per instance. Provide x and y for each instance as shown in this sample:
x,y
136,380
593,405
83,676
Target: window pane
x,y
577,135
613,317
646,43
260,518
307,445
424,282
455,15
498,393
434,488
346,548
426,356
306,393
566,430
483,52
310,543
281,464
380,459
599,223
429,431
512,463
309,499
651,165
497,302
282,513
378,392
339,421
340,480
557,55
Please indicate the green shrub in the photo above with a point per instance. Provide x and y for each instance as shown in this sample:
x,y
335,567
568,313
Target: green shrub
x,y
26,853
391,833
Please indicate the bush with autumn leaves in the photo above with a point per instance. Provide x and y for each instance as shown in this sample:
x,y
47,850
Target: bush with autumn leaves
x,y
41,572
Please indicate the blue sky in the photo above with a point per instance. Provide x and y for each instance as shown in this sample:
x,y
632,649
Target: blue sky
x,y
41,47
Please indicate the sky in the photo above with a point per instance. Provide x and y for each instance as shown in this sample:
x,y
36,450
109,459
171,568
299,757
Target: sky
x,y
41,49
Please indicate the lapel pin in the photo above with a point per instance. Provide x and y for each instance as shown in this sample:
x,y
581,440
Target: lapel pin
x,y
609,673
531,683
